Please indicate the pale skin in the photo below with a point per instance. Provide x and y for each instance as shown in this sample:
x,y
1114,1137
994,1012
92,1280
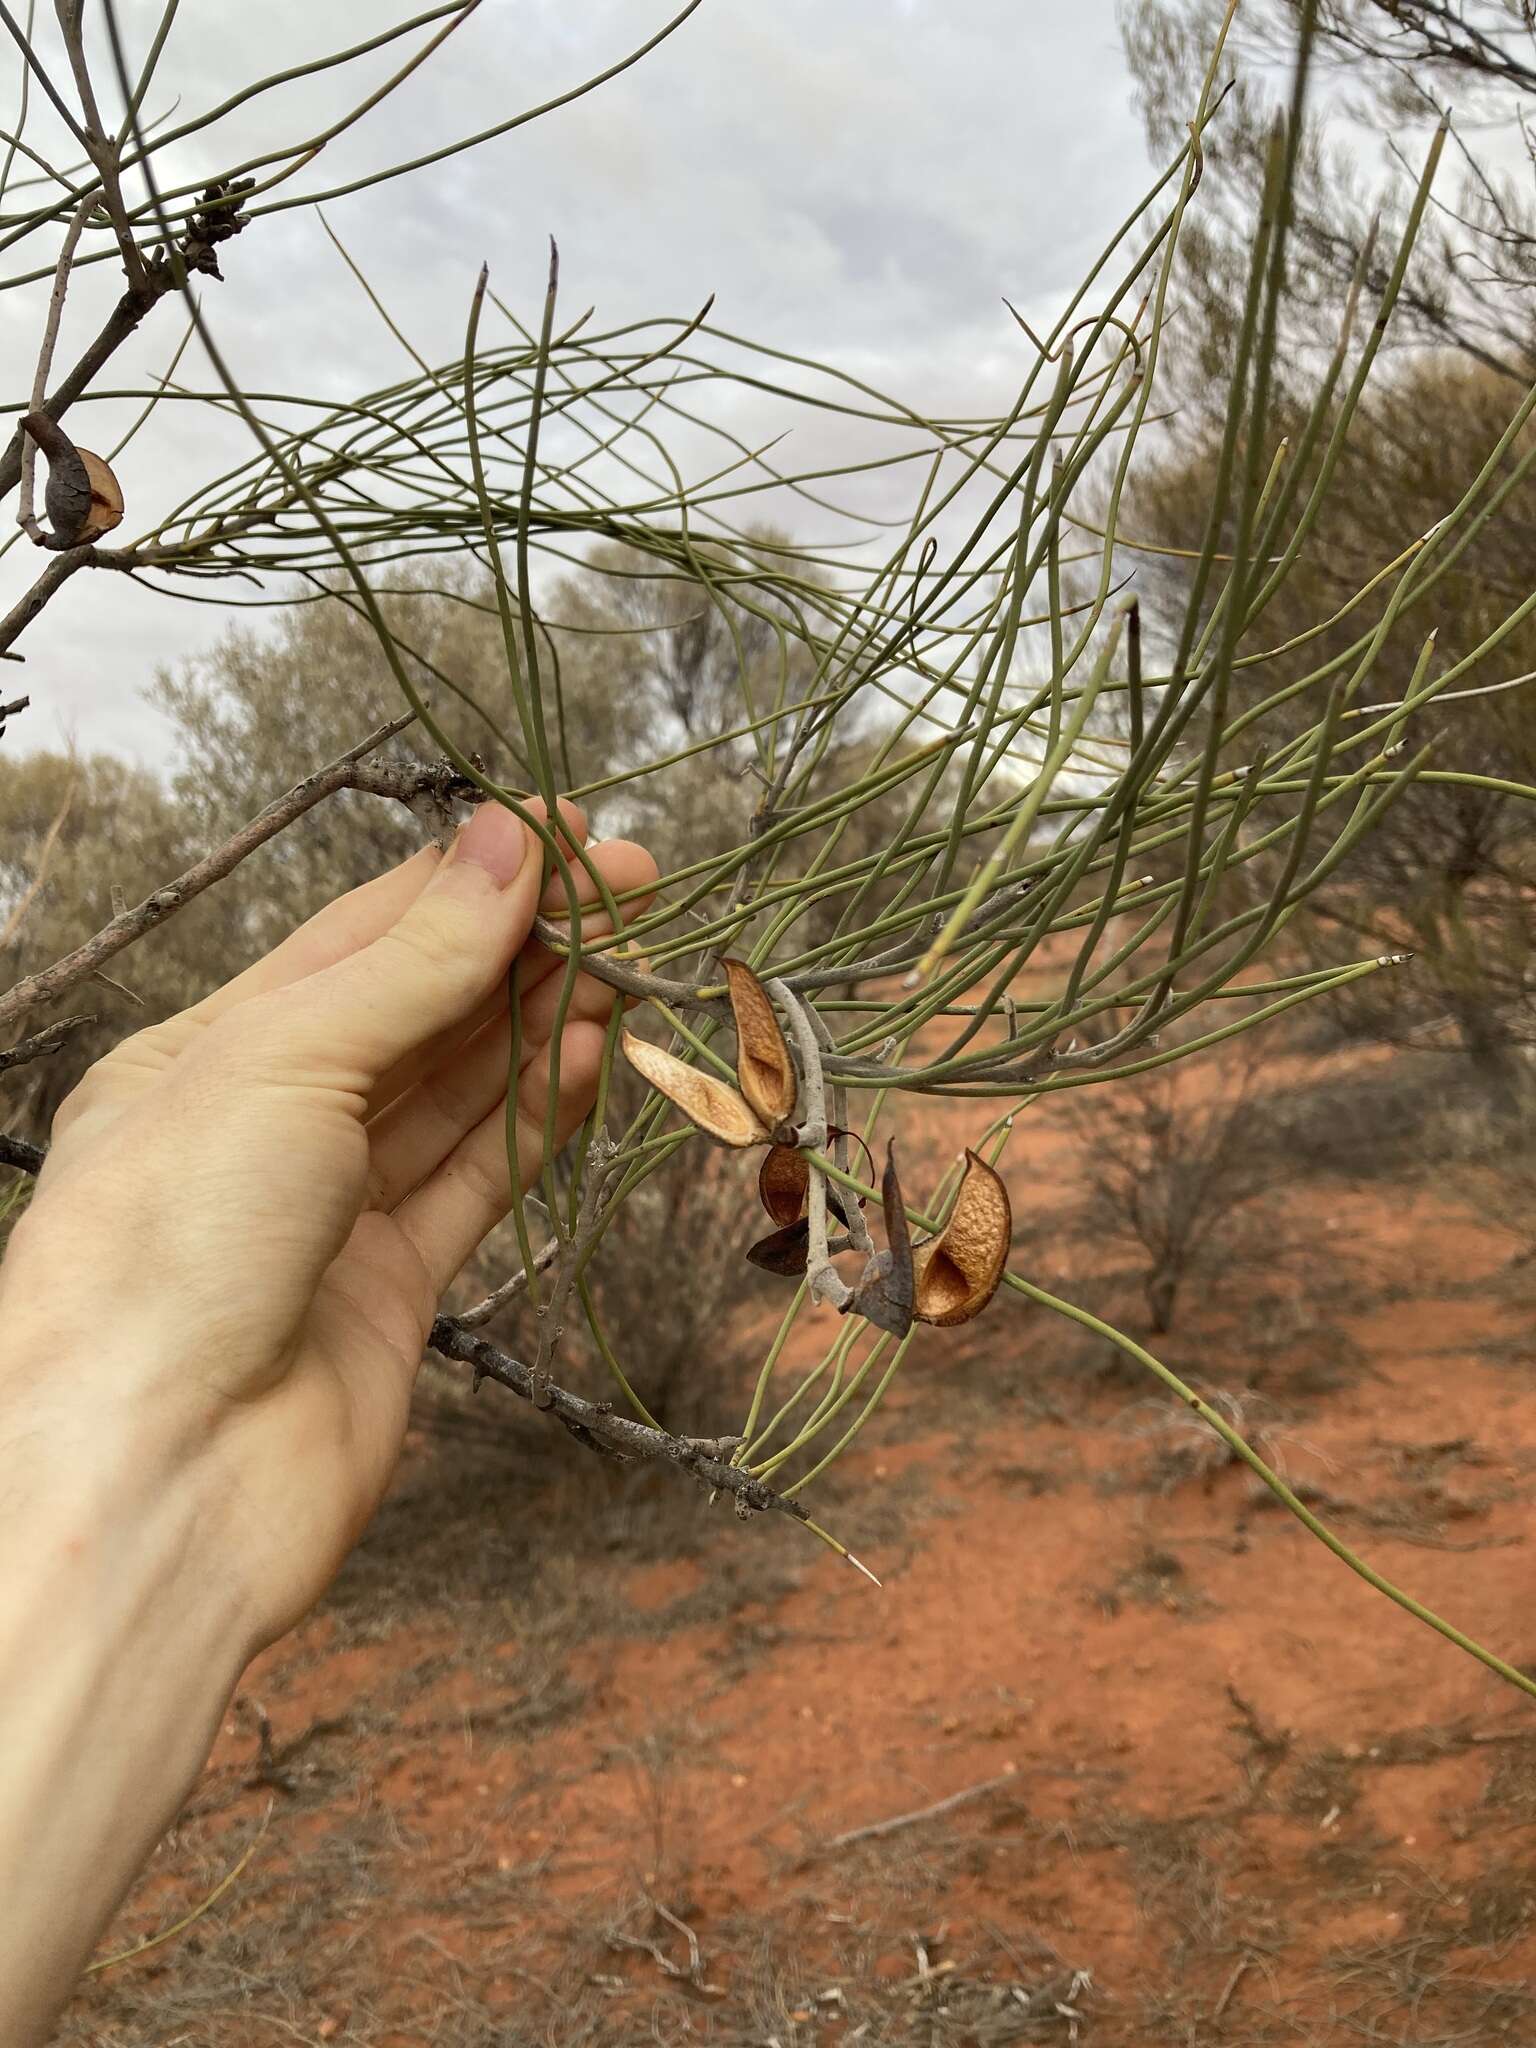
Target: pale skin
x,y
211,1318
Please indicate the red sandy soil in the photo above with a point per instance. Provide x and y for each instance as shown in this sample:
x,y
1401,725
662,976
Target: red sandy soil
x,y
1219,1775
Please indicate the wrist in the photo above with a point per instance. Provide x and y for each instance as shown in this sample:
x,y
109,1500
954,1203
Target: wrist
x,y
120,1643
115,1493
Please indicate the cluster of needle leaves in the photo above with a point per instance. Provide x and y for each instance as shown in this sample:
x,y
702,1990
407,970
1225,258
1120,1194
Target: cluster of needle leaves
x,y
1085,842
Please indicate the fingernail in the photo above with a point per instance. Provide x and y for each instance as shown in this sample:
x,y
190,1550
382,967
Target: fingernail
x,y
494,840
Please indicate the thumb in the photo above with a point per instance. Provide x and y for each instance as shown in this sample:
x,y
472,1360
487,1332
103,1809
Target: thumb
x,y
430,969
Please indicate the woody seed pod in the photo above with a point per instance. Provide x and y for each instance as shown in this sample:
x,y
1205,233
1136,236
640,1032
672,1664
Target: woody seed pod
x,y
83,498
784,1183
106,505
783,1251
764,1069
712,1106
958,1271
885,1294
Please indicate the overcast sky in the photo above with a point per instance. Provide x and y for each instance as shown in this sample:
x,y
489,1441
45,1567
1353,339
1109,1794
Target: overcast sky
x,y
862,180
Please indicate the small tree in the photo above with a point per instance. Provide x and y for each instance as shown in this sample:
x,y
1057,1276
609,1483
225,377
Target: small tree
x,y
1396,68
1173,1163
1057,802
1450,872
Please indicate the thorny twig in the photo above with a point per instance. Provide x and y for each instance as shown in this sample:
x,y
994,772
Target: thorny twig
x,y
594,1424
51,1039
51,982
571,1257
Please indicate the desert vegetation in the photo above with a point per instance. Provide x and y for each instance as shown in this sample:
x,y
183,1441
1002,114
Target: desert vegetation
x,y
1063,1157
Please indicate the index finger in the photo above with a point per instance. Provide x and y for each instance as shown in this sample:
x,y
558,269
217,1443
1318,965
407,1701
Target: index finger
x,y
353,921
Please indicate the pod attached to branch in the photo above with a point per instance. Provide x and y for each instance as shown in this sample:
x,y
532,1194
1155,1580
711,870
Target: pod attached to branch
x,y
83,498
886,1294
784,1182
785,1251
764,1070
959,1271
788,1251
712,1106
106,508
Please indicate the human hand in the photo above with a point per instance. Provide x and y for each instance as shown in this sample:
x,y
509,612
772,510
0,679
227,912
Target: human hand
x,y
249,1213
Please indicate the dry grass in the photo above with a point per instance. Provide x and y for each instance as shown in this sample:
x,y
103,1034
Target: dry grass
x,y
506,1551
857,1950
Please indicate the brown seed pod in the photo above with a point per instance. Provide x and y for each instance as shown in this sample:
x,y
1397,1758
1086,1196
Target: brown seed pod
x,y
764,1069
885,1294
716,1109
82,497
958,1271
784,1183
788,1251
784,1251
106,507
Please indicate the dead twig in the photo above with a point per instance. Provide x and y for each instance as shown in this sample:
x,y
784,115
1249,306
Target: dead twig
x,y
102,149
26,517
220,218
275,1760
49,983
594,1424
875,1830
509,1290
1244,1965
31,602
51,1039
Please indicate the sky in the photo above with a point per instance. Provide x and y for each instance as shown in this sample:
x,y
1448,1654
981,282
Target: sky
x,y
864,181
